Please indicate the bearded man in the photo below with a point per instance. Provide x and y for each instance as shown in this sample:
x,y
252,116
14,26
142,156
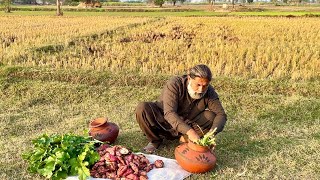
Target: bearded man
x,y
187,108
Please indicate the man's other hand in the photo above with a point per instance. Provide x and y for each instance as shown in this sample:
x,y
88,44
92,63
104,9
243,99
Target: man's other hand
x,y
192,135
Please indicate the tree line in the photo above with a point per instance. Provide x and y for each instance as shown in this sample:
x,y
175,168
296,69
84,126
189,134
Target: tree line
x,y
6,4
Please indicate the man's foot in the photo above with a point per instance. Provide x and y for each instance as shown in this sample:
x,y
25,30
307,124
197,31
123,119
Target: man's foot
x,y
150,148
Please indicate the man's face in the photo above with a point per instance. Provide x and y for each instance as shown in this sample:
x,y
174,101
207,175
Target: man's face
x,y
197,87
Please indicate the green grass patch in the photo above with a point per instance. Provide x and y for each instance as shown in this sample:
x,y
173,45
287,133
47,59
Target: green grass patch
x,y
136,14
124,4
276,13
162,14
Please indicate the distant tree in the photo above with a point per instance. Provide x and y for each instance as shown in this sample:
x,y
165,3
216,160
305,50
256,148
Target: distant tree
x,y
29,1
211,2
174,2
69,2
159,2
59,12
250,1
50,1
149,1
6,5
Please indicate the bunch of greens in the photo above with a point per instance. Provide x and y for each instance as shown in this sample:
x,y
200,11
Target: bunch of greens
x,y
208,139
58,156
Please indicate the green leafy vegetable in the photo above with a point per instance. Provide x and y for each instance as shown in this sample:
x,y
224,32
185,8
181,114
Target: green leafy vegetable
x,y
58,156
208,139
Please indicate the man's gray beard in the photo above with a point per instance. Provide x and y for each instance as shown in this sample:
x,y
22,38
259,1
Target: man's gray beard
x,y
193,94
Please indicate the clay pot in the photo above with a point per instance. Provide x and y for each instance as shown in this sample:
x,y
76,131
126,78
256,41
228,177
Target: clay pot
x,y
195,158
102,130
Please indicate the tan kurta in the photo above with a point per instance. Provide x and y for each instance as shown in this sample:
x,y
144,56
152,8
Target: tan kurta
x,y
176,112
179,109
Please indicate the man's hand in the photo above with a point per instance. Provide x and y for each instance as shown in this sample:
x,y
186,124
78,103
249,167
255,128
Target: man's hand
x,y
192,135
214,130
212,149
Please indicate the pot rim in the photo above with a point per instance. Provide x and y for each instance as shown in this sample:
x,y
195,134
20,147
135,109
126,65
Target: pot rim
x,y
100,120
197,147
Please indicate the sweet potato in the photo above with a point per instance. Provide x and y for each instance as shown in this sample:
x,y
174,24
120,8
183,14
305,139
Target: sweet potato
x,y
129,157
132,176
118,162
111,175
121,170
142,173
134,167
99,163
158,163
149,167
112,166
124,151
110,158
103,147
111,150
102,170
136,161
144,159
128,171
121,161
143,177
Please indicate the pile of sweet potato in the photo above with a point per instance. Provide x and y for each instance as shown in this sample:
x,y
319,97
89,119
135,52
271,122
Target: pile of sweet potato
x,y
118,162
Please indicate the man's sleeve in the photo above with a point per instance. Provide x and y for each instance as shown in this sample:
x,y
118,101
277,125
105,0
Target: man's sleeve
x,y
170,106
215,106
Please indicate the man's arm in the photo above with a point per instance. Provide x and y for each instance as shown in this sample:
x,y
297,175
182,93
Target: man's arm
x,y
170,99
215,106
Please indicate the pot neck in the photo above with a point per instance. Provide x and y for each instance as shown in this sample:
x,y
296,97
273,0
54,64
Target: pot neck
x,y
96,123
197,147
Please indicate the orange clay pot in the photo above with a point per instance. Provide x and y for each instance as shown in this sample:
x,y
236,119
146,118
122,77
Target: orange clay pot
x,y
102,130
195,158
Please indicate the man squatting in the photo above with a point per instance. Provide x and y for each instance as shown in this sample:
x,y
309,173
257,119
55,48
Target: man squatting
x,y
187,108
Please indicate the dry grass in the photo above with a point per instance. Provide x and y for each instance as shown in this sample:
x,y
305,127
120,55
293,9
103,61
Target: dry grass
x,y
272,48
35,33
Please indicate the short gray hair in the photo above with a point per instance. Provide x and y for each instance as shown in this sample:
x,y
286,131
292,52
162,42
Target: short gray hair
x,y
201,71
